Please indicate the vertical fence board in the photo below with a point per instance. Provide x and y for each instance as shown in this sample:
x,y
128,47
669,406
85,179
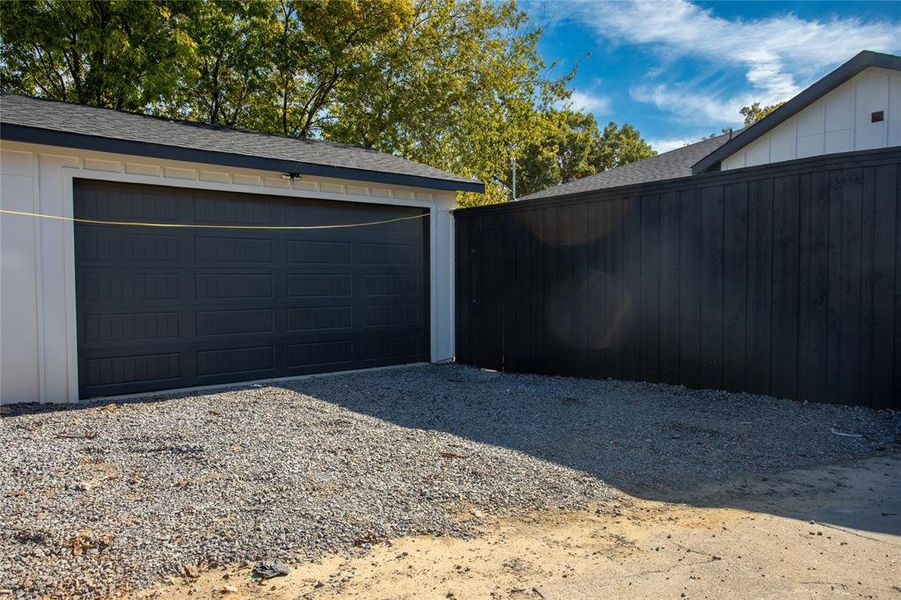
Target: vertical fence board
x,y
735,284
784,330
712,227
463,290
896,371
534,222
616,301
849,335
834,312
760,267
884,249
595,279
507,276
631,259
580,287
867,228
813,279
522,331
552,294
649,314
690,288
669,299
491,347
566,301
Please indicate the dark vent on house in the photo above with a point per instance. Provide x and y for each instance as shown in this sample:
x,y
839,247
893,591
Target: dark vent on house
x,y
877,117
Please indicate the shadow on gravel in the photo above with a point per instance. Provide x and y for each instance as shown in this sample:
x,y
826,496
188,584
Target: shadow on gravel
x,y
700,447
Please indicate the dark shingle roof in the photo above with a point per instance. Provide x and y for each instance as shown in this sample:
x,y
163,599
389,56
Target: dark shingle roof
x,y
669,165
58,123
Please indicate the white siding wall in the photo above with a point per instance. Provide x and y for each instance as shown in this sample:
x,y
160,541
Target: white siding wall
x,y
37,265
837,122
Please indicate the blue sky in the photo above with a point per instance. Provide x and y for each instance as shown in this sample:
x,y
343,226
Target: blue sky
x,y
680,70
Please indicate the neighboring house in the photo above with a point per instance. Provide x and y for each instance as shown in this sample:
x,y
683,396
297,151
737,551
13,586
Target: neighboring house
x,y
855,107
95,310
669,165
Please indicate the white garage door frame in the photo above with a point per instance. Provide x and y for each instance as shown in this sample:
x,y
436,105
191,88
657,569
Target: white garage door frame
x,y
38,336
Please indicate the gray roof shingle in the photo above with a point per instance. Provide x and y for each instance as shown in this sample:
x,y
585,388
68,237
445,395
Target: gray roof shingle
x,y
32,119
669,165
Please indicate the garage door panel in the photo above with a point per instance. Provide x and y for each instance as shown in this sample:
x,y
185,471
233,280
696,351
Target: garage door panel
x,y
398,255
389,315
116,327
375,212
233,209
319,212
319,286
319,318
400,235
388,347
109,288
107,246
390,284
235,321
233,286
232,249
106,204
140,368
177,308
322,353
234,361
319,252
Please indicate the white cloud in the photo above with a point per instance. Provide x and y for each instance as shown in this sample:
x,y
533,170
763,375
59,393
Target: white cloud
x,y
666,144
587,102
692,107
778,55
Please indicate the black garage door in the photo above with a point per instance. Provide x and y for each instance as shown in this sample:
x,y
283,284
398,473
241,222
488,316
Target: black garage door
x,y
162,308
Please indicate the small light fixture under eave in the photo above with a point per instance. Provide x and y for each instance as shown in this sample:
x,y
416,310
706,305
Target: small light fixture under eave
x,y
292,176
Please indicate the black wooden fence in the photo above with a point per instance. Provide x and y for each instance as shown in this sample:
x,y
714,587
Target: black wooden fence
x,y
781,279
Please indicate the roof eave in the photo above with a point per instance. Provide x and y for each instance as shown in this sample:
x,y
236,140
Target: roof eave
x,y
858,63
36,135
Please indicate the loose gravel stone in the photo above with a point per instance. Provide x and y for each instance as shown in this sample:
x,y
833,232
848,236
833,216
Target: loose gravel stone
x,y
100,499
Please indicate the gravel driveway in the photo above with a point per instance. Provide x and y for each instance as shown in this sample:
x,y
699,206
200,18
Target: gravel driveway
x,y
104,498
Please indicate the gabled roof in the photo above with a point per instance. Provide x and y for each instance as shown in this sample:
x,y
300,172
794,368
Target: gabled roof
x,y
27,119
816,91
706,155
669,165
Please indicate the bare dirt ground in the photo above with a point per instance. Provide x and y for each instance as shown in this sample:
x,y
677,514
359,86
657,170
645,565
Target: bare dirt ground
x,y
832,531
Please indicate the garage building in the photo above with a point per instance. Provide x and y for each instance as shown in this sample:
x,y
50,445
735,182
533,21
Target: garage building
x,y
92,309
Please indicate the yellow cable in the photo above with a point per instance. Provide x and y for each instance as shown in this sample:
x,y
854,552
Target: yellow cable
x,y
203,226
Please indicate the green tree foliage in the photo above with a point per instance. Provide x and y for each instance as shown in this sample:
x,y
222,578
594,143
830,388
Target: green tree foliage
x,y
574,147
224,77
755,112
620,146
115,54
458,84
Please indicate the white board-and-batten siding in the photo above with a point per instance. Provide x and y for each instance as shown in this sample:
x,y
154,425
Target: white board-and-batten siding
x,y
840,121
